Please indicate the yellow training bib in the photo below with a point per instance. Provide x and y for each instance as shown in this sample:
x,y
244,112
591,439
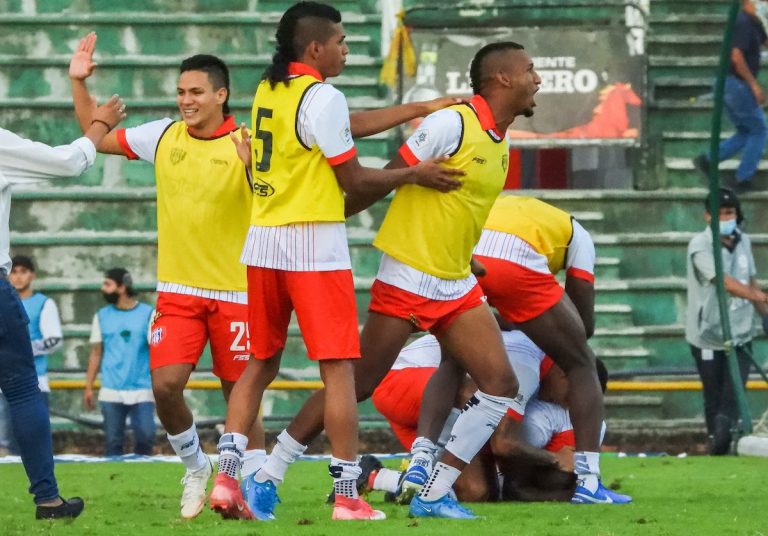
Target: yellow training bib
x,y
435,232
203,207
546,228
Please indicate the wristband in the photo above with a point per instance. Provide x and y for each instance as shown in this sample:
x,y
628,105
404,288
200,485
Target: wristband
x,y
109,128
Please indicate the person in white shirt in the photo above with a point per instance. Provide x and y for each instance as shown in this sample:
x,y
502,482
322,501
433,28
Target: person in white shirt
x,y
24,161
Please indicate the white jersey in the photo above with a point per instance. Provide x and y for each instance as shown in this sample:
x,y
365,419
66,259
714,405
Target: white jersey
x,y
527,360
309,246
548,426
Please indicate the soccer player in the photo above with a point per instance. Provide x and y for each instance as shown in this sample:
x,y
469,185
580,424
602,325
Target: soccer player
x,y
524,243
304,160
22,162
424,281
120,351
203,199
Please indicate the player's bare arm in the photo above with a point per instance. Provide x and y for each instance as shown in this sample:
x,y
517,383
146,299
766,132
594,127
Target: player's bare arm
x,y
364,186
582,294
370,122
507,444
81,66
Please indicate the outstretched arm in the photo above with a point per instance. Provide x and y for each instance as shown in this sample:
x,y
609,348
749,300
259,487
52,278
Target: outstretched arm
x,y
81,66
372,122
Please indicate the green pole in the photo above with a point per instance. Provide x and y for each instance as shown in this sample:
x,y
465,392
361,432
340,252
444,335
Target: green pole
x,y
714,210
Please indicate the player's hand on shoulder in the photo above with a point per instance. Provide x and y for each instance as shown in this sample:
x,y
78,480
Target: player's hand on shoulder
x,y
81,65
243,145
442,102
432,174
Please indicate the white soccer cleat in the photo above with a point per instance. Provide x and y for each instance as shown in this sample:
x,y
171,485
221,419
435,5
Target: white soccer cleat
x,y
194,495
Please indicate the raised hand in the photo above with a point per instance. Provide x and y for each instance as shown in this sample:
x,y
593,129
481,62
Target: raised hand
x,y
81,65
431,174
243,145
111,112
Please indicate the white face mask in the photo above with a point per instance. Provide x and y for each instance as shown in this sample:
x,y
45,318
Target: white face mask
x,y
727,227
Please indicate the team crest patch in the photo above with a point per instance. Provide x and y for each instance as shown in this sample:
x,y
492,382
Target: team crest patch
x,y
177,155
420,137
157,335
505,162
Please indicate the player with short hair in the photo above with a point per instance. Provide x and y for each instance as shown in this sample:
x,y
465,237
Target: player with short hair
x,y
203,198
304,160
424,281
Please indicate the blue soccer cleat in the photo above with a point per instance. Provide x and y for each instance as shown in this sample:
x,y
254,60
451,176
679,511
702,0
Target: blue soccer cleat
x,y
602,495
261,497
445,507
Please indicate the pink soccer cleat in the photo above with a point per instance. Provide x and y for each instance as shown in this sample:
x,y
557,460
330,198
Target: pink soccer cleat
x,y
227,499
346,509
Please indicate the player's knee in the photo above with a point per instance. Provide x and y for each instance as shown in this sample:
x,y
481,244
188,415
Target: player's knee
x,y
503,384
167,389
471,490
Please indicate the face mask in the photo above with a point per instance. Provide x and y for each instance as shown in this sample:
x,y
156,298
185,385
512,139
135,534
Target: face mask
x,y
727,227
111,297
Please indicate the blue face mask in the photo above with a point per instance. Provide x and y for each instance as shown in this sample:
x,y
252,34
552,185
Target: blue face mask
x,y
727,227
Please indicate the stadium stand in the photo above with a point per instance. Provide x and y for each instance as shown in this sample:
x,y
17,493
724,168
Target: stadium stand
x,y
107,217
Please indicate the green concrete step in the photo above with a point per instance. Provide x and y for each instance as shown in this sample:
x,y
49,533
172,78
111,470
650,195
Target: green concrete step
x,y
681,173
681,89
682,44
703,22
633,406
457,13
685,66
147,79
688,7
147,33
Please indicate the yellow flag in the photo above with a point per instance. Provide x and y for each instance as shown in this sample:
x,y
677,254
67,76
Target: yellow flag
x,y
400,39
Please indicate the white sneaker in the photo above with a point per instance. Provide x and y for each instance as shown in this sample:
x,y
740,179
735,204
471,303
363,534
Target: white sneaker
x,y
193,497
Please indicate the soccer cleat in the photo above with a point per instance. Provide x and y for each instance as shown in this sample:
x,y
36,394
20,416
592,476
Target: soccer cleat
x,y
261,497
68,509
602,495
227,500
368,464
412,482
444,507
193,496
346,509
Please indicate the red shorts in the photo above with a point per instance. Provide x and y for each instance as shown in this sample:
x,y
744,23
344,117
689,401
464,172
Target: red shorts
x,y
518,293
425,314
183,325
398,398
325,309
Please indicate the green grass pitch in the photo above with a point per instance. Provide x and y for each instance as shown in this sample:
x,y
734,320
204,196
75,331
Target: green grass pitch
x,y
673,496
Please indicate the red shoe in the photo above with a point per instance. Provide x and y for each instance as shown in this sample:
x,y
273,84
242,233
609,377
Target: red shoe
x,y
227,499
346,509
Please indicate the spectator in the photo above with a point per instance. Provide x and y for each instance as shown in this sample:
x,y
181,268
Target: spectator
x,y
44,331
119,348
703,330
24,161
744,98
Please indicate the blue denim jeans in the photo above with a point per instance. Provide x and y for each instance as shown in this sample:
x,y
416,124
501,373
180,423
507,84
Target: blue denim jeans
x,y
749,120
142,418
30,422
